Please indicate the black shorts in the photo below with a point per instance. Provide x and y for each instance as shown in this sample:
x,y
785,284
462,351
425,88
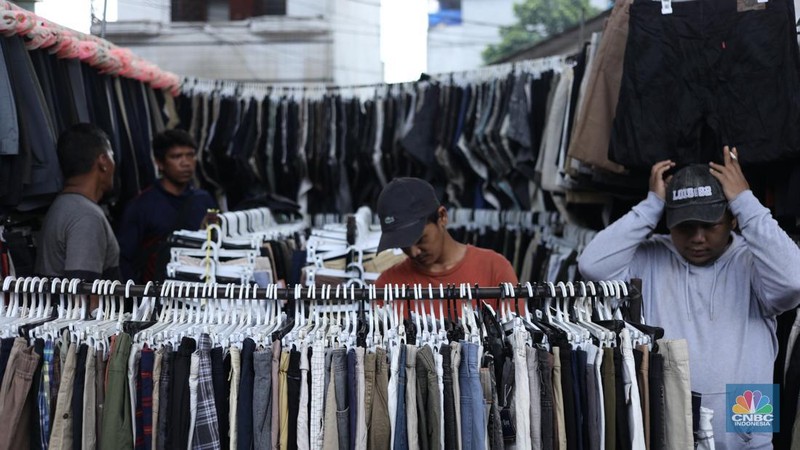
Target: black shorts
x,y
712,73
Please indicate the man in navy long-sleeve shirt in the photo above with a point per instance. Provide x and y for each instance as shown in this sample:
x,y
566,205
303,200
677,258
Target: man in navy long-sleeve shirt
x,y
170,204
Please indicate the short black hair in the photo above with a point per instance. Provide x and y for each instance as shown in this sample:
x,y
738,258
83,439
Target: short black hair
x,y
434,217
165,140
78,148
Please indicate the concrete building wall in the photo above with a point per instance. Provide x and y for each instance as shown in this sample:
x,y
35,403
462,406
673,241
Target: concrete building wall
x,y
356,34
330,41
150,10
458,47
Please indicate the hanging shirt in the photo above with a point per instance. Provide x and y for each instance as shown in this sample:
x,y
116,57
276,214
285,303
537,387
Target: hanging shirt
x,y
481,266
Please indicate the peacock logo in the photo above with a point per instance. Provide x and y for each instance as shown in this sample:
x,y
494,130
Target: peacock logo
x,y
752,402
753,408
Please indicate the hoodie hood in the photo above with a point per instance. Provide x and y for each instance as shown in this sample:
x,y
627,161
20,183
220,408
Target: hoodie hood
x,y
710,273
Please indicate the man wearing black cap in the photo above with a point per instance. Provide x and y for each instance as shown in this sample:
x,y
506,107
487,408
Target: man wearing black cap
x,y
717,289
413,220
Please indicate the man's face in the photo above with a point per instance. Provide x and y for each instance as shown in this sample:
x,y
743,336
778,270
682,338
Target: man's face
x,y
701,243
178,165
430,246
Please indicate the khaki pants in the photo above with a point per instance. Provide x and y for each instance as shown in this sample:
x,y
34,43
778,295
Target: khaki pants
x,y
644,390
283,389
558,401
411,397
89,431
276,395
677,394
593,125
61,433
233,400
16,387
159,356
378,427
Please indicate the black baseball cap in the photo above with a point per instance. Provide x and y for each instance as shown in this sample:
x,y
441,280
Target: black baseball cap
x,y
693,194
404,207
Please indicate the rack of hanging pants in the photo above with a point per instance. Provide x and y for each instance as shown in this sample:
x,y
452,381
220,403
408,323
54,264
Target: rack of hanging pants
x,y
187,365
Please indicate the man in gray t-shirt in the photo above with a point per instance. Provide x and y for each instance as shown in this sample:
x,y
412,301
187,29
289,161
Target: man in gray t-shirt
x,y
76,240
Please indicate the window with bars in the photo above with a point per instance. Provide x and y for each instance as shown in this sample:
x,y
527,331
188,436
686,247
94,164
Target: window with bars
x,y
219,10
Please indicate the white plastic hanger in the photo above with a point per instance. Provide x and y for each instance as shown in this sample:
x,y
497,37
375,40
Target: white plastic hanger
x,y
475,332
371,339
434,334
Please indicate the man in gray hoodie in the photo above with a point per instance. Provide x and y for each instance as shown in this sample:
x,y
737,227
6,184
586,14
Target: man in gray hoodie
x,y
718,289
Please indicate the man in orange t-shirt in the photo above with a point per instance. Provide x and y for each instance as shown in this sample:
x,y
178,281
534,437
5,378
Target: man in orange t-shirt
x,y
413,220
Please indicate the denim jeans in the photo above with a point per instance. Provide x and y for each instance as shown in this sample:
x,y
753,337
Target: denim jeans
x,y
352,401
392,389
473,431
339,366
401,432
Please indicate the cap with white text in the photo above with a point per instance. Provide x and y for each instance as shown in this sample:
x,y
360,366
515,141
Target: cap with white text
x,y
693,194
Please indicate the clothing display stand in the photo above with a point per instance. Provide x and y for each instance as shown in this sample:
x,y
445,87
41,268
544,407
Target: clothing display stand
x,y
190,374
169,289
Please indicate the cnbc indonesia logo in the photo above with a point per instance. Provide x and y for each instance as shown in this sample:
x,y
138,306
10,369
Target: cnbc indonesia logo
x,y
753,409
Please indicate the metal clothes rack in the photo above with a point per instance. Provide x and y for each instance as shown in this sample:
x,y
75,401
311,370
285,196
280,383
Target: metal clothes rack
x,y
168,289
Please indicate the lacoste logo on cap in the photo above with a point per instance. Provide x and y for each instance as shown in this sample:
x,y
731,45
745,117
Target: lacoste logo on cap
x,y
388,220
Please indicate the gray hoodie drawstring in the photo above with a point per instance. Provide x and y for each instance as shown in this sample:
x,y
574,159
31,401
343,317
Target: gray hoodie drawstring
x,y
713,290
686,290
